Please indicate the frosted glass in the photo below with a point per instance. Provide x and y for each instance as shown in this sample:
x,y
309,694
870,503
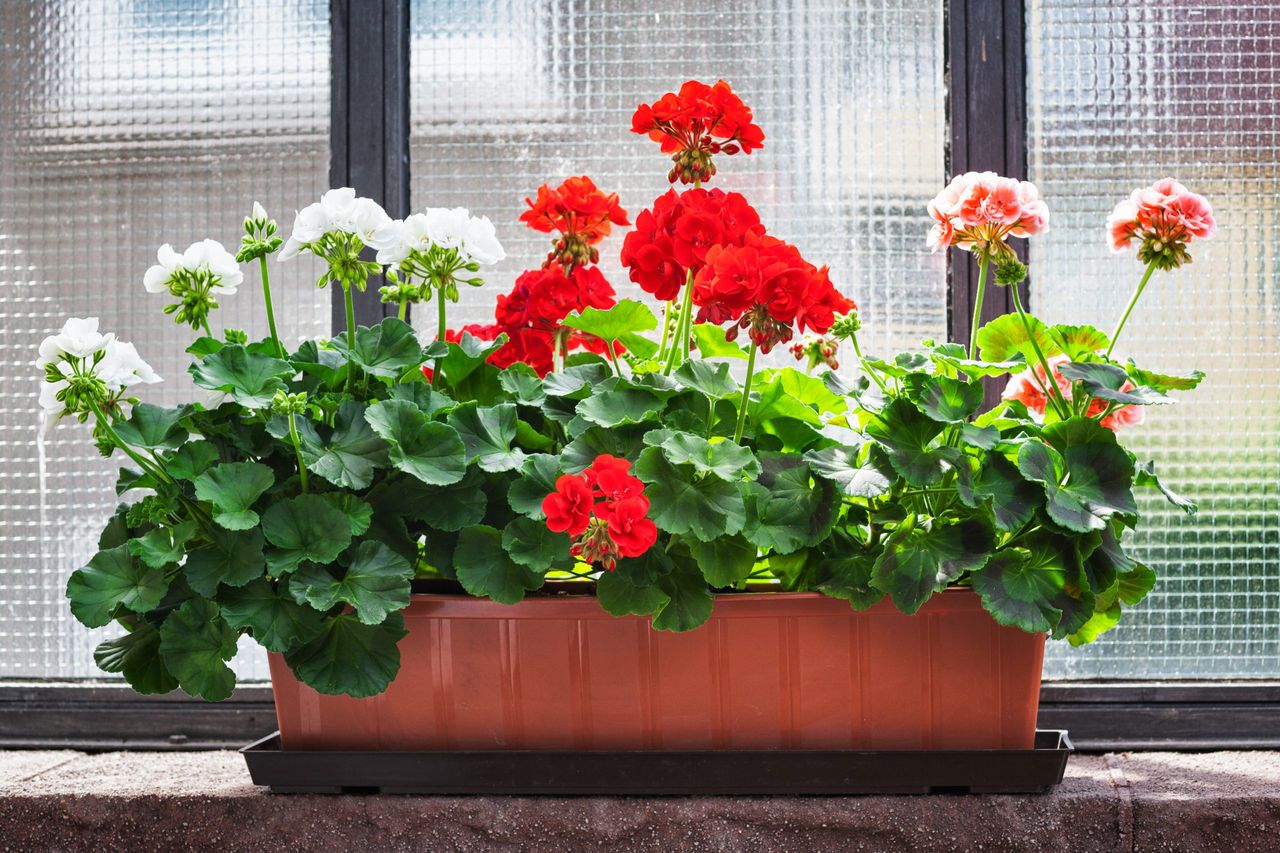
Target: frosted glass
x,y
1120,95
124,125
508,94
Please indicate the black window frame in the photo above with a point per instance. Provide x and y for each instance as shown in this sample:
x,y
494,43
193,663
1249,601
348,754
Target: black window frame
x,y
985,50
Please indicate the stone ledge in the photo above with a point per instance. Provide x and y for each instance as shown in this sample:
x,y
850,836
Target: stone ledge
x,y
185,801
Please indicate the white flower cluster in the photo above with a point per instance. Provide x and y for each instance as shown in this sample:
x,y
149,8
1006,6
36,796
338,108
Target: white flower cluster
x,y
473,237
337,211
82,356
341,211
206,258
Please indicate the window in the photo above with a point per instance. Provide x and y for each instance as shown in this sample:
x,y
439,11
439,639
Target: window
x,y
1118,97
124,126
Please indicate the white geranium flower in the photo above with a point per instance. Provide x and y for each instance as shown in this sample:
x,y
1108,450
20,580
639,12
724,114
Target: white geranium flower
x,y
473,236
206,256
51,408
363,219
480,242
397,238
79,338
259,213
338,210
121,367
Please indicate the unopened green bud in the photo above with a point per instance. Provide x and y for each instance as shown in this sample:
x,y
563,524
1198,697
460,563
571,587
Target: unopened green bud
x,y
1010,271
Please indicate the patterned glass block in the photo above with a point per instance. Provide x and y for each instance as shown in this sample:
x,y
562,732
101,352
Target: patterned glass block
x,y
123,125
508,94
1121,95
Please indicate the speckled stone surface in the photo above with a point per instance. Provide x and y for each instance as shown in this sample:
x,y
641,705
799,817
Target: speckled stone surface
x,y
53,801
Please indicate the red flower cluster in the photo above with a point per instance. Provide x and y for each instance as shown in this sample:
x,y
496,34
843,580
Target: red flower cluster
x,y
530,315
604,509
765,286
695,124
581,213
679,231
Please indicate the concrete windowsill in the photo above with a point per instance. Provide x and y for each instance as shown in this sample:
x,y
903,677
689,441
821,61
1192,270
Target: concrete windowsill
x,y
204,800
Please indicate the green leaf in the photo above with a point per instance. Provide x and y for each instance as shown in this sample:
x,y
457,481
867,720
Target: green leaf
x,y
625,318
466,356
326,367
1098,624
711,378
1013,498
358,512
195,644
1006,338
485,569
251,380
1104,382
906,435
983,438
487,434
711,342
623,442
191,460
136,655
919,560
683,502
1079,342
386,350
350,657
620,406
538,475
849,578
839,464
689,603
153,428
619,596
350,454
110,580
1133,585
277,622
375,584
725,561
1024,587
953,355
448,508
531,543
304,528
1087,477
1145,476
721,458
903,364
432,452
234,558
949,400
785,511
523,384
575,382
163,545
422,395
232,488
1164,381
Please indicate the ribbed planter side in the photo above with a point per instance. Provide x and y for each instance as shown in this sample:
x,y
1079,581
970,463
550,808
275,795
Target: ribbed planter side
x,y
767,671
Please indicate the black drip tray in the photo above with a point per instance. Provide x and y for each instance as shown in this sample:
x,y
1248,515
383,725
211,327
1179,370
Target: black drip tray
x,y
666,773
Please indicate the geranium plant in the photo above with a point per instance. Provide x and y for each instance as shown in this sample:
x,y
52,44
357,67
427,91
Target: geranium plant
x,y
582,438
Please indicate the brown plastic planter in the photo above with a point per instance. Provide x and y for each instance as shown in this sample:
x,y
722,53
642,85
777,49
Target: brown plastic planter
x,y
767,671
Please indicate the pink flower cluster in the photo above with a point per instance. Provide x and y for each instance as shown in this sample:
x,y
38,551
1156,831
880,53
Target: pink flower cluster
x,y
1029,388
1164,217
978,210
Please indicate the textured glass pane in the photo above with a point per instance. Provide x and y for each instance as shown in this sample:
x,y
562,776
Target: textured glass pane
x,y
1120,95
512,93
124,125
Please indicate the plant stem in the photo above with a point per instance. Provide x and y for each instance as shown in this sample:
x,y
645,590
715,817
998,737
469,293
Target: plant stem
x,y
271,314
977,306
1137,294
680,346
442,324
746,394
351,316
1051,390
857,350
666,329
204,327
297,451
402,309
142,463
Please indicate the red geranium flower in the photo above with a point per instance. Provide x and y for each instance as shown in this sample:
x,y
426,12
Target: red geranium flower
x,y
610,521
676,235
767,287
695,124
568,508
581,213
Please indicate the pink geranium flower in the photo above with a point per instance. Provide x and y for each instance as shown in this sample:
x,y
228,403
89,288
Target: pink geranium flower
x,y
1164,217
1029,386
978,211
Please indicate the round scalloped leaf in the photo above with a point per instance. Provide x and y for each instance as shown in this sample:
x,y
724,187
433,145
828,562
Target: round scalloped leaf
x,y
869,478
304,528
136,656
375,584
277,622
113,578
351,453
683,502
725,561
234,558
530,543
487,434
849,579
620,596
387,350
195,644
917,561
251,380
722,458
350,657
949,400
431,452
689,603
153,428
1006,337
232,488
485,569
